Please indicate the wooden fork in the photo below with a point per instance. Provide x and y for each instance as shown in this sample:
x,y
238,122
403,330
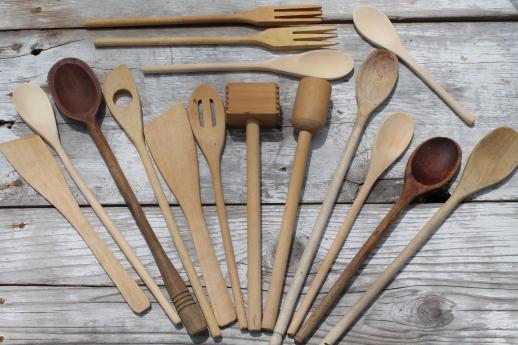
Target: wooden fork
x,y
288,38
260,16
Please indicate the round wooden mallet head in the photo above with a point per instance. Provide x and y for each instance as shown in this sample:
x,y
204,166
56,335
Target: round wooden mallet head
x,y
311,104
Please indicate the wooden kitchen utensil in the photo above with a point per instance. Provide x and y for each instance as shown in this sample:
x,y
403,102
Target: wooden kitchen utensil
x,y
77,94
209,130
35,109
309,116
253,105
431,166
376,28
171,144
120,82
491,161
34,162
326,64
289,38
260,16
375,81
392,139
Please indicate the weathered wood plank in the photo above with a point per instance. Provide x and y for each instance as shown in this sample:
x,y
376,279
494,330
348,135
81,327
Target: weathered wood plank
x,y
462,285
45,14
483,79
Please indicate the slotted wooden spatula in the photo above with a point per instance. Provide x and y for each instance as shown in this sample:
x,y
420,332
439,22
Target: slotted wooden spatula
x,y
33,161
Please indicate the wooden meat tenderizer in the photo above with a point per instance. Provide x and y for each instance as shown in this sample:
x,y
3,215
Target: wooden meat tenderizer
x,y
253,105
309,116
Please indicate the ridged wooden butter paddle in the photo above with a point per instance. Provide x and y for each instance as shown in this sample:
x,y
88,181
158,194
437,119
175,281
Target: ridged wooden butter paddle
x,y
491,161
119,82
32,160
431,166
171,143
77,94
375,81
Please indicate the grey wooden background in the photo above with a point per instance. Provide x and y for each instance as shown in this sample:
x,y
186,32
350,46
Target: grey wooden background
x,y
460,288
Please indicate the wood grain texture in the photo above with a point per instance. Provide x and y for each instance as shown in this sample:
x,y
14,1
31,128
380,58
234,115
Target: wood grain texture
x,y
482,79
63,14
461,285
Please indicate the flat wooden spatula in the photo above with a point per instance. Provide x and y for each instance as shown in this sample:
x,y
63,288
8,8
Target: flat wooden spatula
x,y
33,161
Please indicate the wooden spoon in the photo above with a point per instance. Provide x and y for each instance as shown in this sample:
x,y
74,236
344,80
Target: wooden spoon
x,y
34,162
119,82
76,91
375,81
376,28
172,146
431,166
326,64
35,109
210,136
391,141
491,161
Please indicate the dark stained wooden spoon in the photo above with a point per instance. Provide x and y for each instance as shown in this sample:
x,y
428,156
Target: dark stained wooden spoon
x,y
77,94
430,166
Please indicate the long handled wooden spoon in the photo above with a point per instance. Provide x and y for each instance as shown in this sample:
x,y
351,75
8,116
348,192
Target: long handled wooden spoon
x,y
209,130
171,143
391,141
431,166
35,109
76,91
326,64
309,116
118,82
376,79
491,161
376,28
33,161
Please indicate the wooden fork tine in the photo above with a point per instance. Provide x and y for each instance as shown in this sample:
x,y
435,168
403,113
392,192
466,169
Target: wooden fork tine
x,y
291,14
296,7
311,44
313,37
296,20
316,29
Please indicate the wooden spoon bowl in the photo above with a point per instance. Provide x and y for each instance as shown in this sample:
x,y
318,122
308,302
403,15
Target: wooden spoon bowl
x,y
75,89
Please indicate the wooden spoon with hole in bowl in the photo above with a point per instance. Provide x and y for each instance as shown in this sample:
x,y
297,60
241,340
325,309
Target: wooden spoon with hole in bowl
x,y
491,161
77,94
431,166
376,28
375,81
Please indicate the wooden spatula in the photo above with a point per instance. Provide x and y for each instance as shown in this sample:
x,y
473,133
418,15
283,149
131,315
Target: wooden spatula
x,y
33,161
171,143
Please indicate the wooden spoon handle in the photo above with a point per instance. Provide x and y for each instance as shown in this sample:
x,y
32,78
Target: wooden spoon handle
x,y
216,287
345,278
228,247
390,272
287,231
254,243
172,41
333,252
439,90
313,243
182,250
188,309
164,20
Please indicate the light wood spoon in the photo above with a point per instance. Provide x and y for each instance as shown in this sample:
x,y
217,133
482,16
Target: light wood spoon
x,y
392,139
172,146
34,162
376,28
35,109
431,166
326,64
120,82
209,130
77,94
491,161
375,81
